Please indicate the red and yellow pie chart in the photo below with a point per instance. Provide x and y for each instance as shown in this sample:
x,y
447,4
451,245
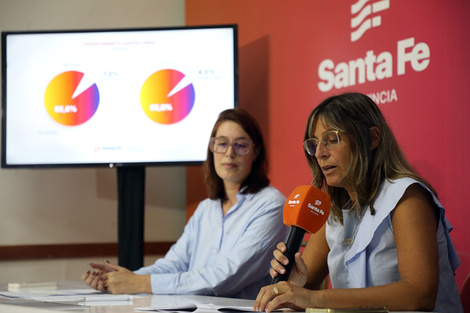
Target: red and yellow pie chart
x,y
61,104
167,96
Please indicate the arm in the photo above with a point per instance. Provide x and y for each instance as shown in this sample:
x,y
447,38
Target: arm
x,y
249,234
315,255
118,280
415,227
239,264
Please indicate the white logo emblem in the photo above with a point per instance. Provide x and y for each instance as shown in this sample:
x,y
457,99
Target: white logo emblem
x,y
365,17
315,210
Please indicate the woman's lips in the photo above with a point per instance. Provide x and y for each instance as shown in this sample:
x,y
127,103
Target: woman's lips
x,y
229,165
328,169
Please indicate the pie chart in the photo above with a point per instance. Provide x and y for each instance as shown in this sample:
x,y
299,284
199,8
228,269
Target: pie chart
x,y
167,96
65,107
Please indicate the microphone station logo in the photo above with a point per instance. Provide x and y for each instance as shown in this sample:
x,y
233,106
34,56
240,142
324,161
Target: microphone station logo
x,y
314,209
293,201
365,16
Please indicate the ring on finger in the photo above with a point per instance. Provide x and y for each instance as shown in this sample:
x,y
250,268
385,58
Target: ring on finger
x,y
276,291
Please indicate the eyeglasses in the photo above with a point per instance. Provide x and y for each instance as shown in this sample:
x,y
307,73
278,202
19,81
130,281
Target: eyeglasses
x,y
330,140
220,145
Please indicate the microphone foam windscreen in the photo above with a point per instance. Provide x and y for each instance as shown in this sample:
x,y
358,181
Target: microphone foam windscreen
x,y
307,207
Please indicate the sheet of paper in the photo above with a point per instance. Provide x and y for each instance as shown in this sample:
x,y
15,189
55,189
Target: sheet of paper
x,y
201,307
52,295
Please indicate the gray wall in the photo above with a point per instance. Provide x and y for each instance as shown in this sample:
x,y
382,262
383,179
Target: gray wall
x,y
54,206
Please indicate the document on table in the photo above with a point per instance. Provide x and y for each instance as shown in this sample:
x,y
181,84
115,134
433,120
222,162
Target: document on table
x,y
357,310
200,307
185,308
72,295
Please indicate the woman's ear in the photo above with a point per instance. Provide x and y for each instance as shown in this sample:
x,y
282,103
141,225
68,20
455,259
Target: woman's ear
x,y
375,137
255,153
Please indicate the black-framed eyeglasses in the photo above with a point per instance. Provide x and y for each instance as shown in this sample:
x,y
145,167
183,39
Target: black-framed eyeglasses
x,y
329,139
240,146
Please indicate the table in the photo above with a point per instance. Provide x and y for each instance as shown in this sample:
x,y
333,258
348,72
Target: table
x,y
139,301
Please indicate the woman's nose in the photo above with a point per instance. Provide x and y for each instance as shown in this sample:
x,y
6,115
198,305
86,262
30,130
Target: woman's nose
x,y
321,150
230,151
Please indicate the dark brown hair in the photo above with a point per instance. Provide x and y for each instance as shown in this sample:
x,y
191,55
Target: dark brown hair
x,y
257,179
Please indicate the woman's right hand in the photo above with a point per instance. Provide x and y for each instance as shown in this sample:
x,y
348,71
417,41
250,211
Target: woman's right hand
x,y
95,279
298,275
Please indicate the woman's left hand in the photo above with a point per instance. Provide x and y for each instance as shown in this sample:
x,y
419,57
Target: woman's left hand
x,y
283,295
121,280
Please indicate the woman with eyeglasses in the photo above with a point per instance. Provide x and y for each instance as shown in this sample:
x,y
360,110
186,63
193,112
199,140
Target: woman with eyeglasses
x,y
226,245
386,242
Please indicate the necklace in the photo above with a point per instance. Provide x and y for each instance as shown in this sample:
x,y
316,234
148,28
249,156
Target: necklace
x,y
350,240
350,223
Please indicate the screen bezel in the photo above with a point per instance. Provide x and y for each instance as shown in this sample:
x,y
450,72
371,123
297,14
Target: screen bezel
x,y
4,121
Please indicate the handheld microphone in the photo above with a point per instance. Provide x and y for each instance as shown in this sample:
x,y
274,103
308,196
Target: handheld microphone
x,y
306,209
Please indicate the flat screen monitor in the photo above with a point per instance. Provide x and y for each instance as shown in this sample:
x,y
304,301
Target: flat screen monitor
x,y
115,97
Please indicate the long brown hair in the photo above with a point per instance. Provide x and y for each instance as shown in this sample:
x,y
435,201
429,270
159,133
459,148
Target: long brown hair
x,y
354,114
257,179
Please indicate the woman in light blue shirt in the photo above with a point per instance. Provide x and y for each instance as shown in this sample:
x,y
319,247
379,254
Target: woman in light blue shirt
x,y
227,244
386,243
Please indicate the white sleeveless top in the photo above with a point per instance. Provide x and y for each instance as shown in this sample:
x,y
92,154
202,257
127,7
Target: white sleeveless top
x,y
363,251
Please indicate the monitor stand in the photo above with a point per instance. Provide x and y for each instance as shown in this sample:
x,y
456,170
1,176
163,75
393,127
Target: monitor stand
x,y
131,203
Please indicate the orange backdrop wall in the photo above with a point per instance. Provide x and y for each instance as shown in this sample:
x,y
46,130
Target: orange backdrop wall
x,y
412,57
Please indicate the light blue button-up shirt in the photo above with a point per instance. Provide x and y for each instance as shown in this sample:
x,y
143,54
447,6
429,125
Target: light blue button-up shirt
x,y
223,255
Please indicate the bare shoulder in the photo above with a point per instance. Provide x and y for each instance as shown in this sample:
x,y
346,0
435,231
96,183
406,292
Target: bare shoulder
x,y
415,218
416,202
